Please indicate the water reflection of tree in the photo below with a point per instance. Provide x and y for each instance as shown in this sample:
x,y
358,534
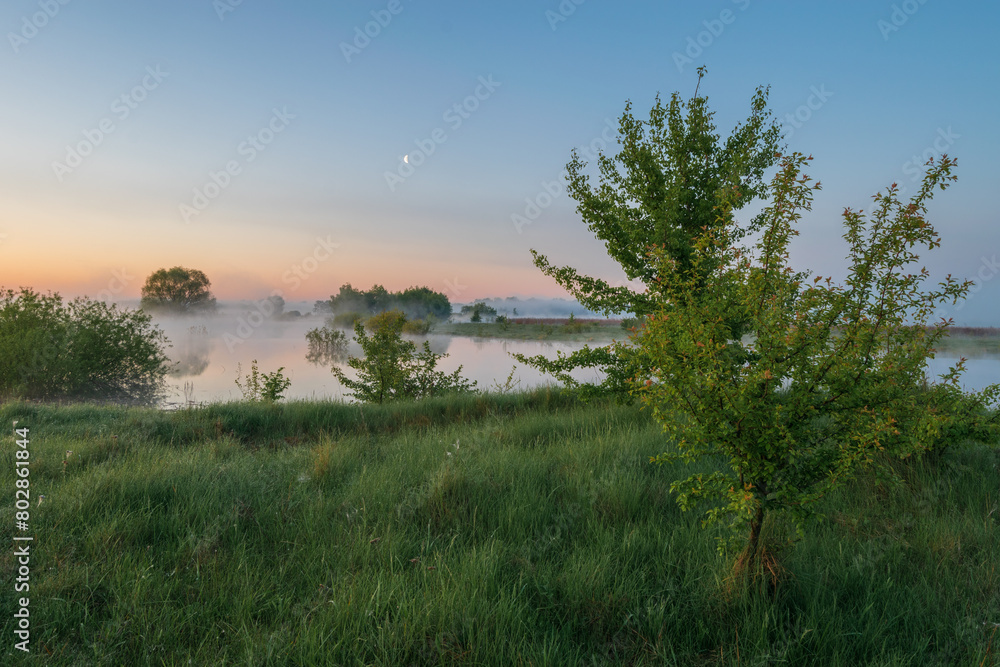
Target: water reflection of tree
x,y
190,355
326,346
486,344
439,344
325,357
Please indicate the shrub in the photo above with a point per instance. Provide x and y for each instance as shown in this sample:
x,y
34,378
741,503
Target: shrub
x,y
416,327
346,320
392,319
574,326
946,416
78,350
257,386
392,369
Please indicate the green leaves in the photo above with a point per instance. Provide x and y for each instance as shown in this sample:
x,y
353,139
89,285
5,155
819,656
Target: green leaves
x,y
82,349
392,369
660,192
178,290
262,387
798,384
416,302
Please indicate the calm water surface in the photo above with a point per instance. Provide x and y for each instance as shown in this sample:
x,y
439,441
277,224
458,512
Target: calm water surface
x,y
211,351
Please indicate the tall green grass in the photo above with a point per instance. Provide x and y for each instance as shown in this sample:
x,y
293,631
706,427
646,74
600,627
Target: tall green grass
x,y
512,530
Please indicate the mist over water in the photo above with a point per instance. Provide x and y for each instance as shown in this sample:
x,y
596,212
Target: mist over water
x,y
207,351
535,307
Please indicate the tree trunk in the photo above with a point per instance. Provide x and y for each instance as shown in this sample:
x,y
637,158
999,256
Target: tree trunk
x,y
749,557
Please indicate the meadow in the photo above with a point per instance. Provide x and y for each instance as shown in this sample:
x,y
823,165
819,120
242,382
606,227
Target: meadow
x,y
517,529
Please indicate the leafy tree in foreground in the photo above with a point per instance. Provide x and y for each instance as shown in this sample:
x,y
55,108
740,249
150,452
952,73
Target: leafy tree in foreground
x,y
78,350
392,369
660,189
178,290
834,373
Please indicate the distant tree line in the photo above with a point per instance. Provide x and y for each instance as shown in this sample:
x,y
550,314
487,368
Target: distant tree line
x,y
477,311
414,302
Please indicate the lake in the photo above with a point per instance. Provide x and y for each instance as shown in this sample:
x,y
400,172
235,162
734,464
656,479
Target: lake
x,y
211,350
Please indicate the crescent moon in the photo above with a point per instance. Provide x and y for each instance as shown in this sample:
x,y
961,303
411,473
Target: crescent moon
x,y
406,159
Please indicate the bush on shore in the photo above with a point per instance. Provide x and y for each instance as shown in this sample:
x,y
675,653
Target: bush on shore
x,y
82,349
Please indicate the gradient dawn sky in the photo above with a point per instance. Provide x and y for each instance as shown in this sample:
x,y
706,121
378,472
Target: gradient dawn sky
x,y
264,142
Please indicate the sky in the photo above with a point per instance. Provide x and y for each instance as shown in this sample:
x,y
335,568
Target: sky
x,y
295,146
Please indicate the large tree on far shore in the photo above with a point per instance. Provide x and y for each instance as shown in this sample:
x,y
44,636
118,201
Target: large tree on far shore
x,y
178,290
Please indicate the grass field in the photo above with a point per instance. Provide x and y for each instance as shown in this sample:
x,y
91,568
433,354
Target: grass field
x,y
524,529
